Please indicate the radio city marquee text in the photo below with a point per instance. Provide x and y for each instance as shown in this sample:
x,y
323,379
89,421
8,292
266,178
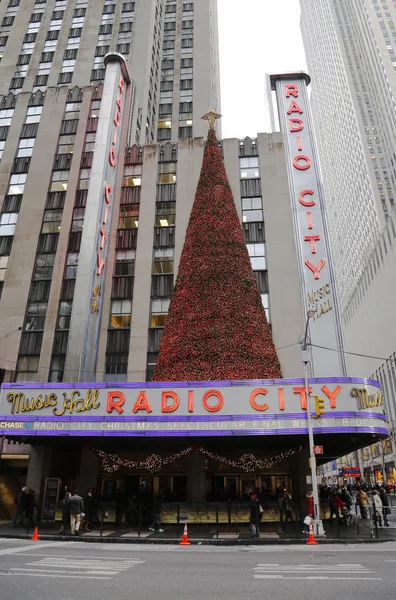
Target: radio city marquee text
x,y
318,300
171,402
107,198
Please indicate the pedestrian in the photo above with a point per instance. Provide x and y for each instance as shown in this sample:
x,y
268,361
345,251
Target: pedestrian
x,y
287,506
65,513
256,514
156,524
362,500
76,508
89,507
377,508
346,498
31,506
310,511
20,506
339,504
385,506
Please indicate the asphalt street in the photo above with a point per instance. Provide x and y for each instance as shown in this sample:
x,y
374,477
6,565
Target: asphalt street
x,y
81,571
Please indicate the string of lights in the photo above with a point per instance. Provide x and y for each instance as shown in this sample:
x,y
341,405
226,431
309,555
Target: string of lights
x,y
154,462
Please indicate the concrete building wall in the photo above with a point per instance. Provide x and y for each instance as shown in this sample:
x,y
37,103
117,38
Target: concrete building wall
x,y
285,304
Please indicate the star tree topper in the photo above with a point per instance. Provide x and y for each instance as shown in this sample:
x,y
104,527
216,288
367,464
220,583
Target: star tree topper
x,y
211,117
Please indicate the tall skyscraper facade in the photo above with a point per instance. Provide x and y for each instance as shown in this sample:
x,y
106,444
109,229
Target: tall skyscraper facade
x,y
350,48
52,75
82,81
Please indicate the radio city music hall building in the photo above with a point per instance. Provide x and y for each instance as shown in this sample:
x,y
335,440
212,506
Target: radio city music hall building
x,y
93,293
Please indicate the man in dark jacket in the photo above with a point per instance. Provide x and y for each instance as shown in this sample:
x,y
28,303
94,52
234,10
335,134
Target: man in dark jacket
x,y
76,507
65,513
20,506
256,514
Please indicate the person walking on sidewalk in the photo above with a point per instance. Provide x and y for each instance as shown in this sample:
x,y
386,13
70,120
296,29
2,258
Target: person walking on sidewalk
x,y
76,507
31,506
20,506
377,517
363,501
385,506
256,514
89,506
65,513
156,524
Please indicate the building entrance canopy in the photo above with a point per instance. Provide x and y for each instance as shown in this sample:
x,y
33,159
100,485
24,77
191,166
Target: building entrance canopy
x,y
225,408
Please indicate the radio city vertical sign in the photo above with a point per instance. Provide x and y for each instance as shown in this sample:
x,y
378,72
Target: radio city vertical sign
x,y
90,281
313,250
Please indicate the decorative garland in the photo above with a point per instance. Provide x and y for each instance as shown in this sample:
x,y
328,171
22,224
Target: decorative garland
x,y
154,463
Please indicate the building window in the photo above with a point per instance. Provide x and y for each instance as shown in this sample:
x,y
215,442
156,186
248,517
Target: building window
x,y
51,221
27,368
25,147
133,176
120,314
165,123
163,261
44,266
257,256
57,368
6,117
64,315
116,367
249,167
129,216
17,184
165,214
167,173
34,113
7,223
265,301
159,312
252,210
71,265
125,263
35,316
3,267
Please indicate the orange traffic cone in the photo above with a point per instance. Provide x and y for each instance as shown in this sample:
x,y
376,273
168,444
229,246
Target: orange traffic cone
x,y
311,538
35,536
185,541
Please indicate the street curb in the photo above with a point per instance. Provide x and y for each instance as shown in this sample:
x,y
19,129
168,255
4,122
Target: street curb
x,y
195,542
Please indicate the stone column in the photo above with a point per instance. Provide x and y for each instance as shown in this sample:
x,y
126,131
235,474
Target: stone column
x,y
38,469
89,469
196,482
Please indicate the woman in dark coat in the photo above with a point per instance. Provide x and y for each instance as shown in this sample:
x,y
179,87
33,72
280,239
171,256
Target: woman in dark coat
x,y
65,513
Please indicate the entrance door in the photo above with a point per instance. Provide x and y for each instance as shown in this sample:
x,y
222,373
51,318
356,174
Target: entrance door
x,y
247,485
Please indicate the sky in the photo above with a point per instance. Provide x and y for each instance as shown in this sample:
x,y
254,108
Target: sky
x,y
256,37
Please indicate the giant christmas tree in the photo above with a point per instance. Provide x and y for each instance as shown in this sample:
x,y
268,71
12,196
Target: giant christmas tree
x,y
216,327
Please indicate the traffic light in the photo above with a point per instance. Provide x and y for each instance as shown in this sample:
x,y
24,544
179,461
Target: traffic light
x,y
319,406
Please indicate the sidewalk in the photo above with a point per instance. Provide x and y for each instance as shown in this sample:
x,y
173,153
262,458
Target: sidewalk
x,y
270,533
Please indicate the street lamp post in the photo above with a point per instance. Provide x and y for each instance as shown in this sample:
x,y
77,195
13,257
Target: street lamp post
x,y
306,361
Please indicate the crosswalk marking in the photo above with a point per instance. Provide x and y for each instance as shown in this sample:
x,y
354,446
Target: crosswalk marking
x,y
63,566
338,572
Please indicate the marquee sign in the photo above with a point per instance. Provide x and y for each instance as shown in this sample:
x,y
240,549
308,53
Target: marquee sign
x,y
315,264
270,407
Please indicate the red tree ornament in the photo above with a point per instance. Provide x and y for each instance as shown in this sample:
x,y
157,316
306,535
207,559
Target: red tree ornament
x,y
216,327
